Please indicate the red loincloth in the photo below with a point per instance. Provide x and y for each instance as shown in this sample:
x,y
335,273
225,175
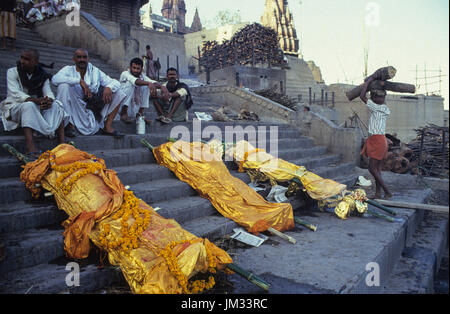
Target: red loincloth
x,y
376,147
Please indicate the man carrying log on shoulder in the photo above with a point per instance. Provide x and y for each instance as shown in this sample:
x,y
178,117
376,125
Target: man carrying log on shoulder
x,y
376,146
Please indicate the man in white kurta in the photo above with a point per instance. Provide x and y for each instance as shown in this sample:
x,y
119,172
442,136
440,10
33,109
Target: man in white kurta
x,y
137,87
29,106
80,82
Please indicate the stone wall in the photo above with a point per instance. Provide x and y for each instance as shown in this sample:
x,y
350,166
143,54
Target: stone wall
x,y
162,44
238,99
114,10
252,78
299,79
346,142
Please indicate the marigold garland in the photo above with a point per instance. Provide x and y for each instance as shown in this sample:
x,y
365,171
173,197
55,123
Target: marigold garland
x,y
129,235
197,286
73,171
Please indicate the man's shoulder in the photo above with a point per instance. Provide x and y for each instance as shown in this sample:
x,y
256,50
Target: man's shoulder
x,y
12,70
67,68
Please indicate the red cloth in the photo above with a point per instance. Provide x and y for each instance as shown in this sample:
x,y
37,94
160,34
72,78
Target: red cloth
x,y
376,147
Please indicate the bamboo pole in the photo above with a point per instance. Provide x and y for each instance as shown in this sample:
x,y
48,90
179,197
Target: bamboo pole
x,y
382,207
305,224
21,157
249,276
434,208
147,144
282,235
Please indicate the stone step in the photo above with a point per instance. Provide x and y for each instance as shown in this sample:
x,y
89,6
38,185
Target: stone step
x,y
420,261
162,190
12,190
47,51
11,167
297,153
31,247
284,130
20,216
333,259
334,171
317,161
137,173
60,59
51,279
86,143
211,227
133,156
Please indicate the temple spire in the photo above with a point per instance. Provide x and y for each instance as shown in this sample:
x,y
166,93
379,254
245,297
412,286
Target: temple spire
x,y
196,23
175,10
278,17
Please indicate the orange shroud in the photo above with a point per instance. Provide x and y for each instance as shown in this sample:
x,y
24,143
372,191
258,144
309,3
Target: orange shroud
x,y
202,168
92,202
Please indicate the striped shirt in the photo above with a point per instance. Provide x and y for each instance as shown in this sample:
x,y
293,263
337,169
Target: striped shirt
x,y
377,118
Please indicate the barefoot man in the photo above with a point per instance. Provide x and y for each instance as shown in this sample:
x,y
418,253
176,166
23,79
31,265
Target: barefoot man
x,y
376,146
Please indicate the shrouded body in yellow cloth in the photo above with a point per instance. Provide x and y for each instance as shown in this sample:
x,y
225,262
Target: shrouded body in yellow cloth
x,y
263,166
155,254
200,166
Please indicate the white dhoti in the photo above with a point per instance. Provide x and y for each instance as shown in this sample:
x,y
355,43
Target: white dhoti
x,y
34,15
29,115
136,97
83,119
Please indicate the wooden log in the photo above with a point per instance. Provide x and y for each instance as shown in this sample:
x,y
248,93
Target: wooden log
x,y
382,85
434,208
383,74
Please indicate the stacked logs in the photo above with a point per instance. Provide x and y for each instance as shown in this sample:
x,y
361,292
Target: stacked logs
x,y
252,45
272,94
399,155
429,156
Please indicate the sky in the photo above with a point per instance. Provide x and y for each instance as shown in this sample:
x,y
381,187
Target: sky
x,y
406,34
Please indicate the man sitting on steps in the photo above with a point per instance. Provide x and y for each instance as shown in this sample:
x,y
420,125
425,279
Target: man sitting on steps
x,y
30,102
174,101
138,87
90,97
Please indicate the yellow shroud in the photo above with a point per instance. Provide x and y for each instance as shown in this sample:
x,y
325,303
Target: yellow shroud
x,y
202,168
327,192
279,170
164,256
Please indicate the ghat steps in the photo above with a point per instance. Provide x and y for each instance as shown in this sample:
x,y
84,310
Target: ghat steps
x,y
32,234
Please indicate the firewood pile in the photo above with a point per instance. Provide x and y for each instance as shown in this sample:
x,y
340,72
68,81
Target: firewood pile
x,y
431,161
272,94
254,43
